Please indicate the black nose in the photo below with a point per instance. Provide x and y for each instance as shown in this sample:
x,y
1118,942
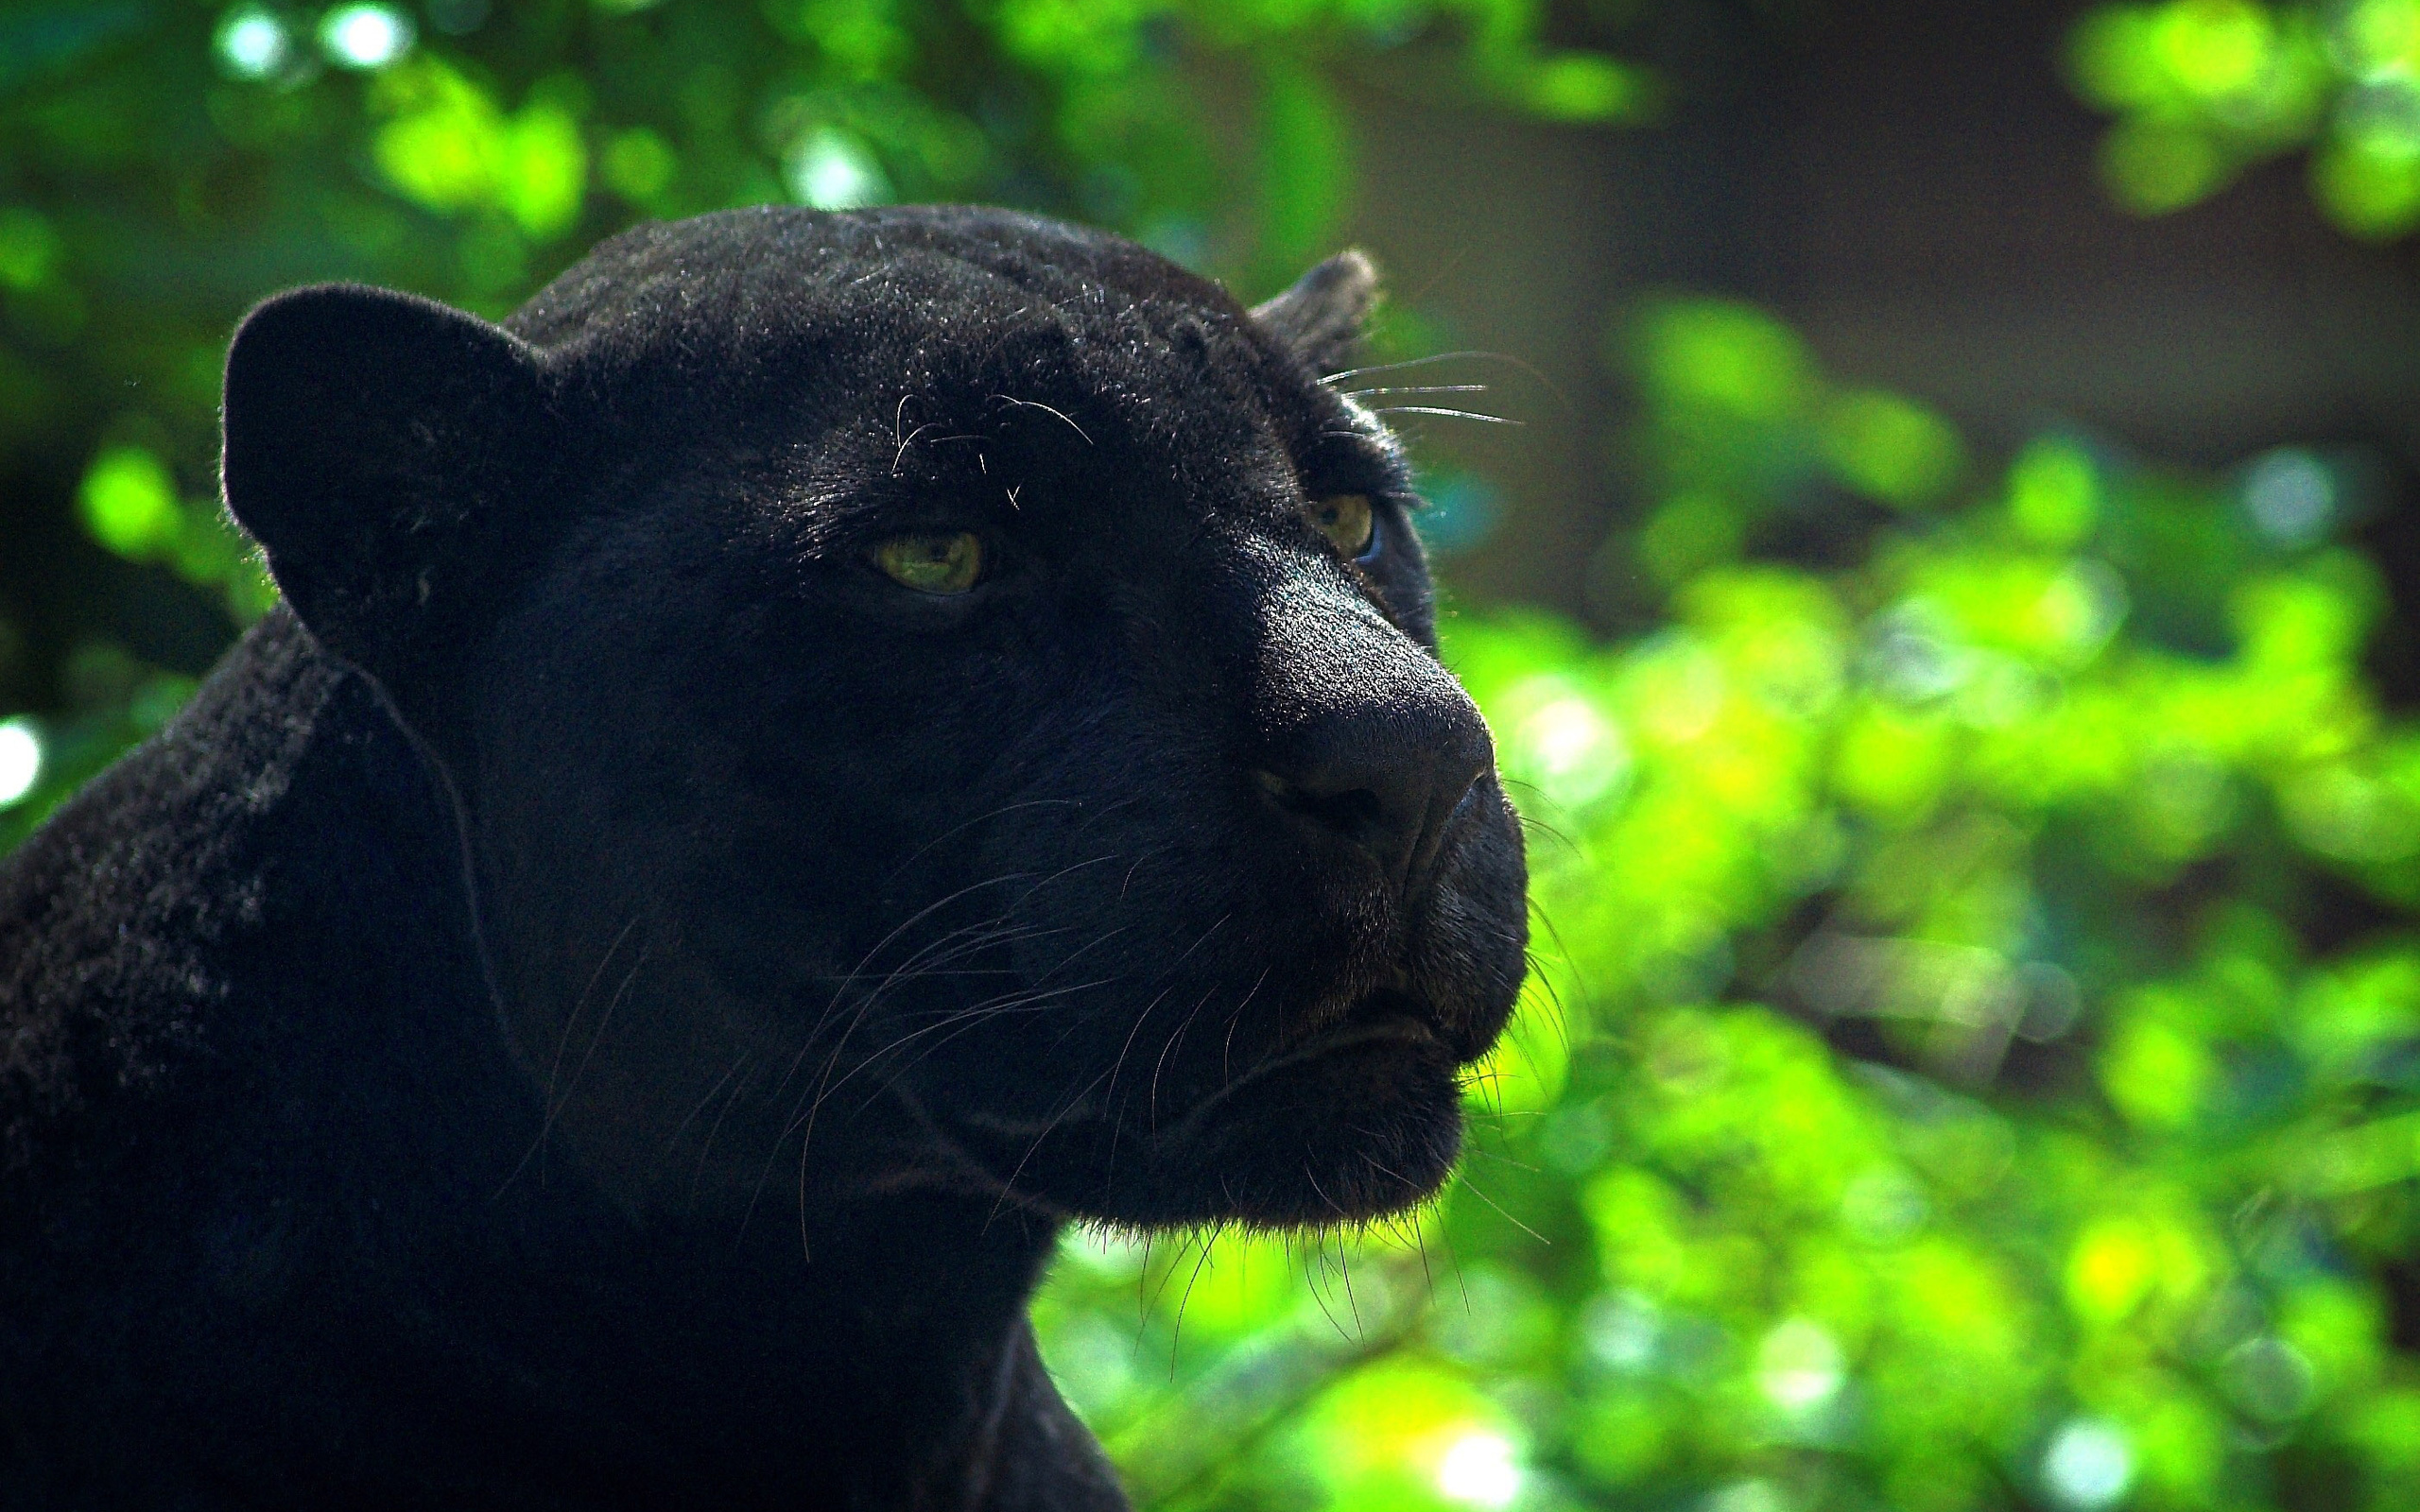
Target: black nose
x,y
1387,774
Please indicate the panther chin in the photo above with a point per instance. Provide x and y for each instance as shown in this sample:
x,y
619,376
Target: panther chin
x,y
1358,1120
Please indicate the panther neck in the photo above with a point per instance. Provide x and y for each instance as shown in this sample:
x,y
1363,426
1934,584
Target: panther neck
x,y
289,1220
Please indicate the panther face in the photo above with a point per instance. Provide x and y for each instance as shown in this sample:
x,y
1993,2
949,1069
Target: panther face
x,y
938,696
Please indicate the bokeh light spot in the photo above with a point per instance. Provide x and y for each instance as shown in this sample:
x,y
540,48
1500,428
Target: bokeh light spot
x,y
2214,47
1573,753
2088,1464
2382,117
2154,166
1799,1366
638,164
364,37
20,760
1745,1496
1480,1469
2290,496
253,43
2053,493
832,170
1726,356
28,248
1889,449
1883,1206
2269,1377
2368,193
1621,1331
129,502
1462,512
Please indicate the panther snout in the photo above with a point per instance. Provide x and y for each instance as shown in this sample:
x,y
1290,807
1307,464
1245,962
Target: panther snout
x,y
1385,792
1388,778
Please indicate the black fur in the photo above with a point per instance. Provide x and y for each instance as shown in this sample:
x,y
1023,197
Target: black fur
x,y
637,1044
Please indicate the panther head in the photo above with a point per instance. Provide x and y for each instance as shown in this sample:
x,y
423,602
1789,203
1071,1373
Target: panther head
x,y
931,695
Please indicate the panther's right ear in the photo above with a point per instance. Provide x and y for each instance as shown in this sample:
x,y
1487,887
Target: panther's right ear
x,y
1320,318
385,451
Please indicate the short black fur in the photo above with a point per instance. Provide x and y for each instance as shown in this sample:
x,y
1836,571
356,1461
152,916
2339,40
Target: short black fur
x,y
608,999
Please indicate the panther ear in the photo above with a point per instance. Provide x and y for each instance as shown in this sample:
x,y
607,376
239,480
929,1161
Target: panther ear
x,y
376,445
1319,318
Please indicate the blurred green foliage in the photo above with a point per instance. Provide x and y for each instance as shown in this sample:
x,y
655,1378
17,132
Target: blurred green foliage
x,y
2203,88
1972,1054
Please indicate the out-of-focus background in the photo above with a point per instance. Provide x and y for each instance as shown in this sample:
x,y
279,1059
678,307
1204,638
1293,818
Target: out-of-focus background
x,y
1946,606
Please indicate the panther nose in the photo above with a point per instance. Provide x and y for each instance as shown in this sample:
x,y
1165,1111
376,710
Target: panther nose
x,y
1388,779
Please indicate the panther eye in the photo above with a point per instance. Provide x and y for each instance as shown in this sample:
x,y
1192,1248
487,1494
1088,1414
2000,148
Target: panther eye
x,y
932,564
1346,519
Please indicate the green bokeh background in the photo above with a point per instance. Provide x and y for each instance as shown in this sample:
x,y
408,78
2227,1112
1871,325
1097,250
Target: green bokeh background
x,y
1973,1054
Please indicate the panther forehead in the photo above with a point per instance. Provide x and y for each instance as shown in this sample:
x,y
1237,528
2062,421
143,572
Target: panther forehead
x,y
751,279
852,371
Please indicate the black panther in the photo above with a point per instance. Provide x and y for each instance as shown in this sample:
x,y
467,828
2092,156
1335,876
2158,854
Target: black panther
x,y
821,750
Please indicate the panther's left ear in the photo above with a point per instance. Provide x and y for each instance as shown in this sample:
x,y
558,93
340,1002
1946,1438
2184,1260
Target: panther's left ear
x,y
1319,318
392,455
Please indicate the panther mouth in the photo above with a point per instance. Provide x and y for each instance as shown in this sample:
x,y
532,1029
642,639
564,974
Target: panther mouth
x,y
1389,1015
1360,1119
1357,1119
1382,1019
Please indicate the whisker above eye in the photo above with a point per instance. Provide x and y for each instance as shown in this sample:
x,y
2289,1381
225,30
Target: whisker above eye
x,y
1452,414
1415,362
1472,354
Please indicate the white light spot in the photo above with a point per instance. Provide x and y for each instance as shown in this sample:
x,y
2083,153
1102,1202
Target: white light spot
x,y
20,760
1479,1470
1799,1368
1571,751
833,170
2290,496
252,44
2087,1464
365,36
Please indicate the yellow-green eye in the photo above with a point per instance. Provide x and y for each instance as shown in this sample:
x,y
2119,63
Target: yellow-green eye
x,y
932,564
1346,519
